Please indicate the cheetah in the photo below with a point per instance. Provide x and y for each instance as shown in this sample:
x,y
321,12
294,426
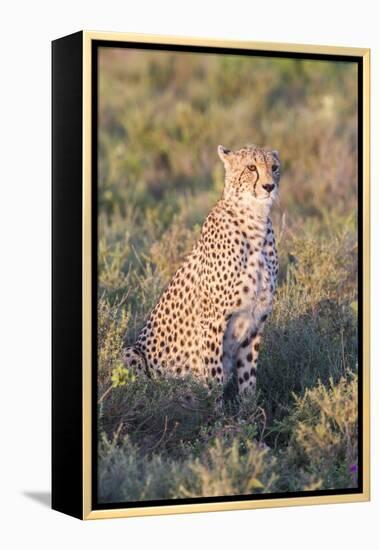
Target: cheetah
x,y
209,320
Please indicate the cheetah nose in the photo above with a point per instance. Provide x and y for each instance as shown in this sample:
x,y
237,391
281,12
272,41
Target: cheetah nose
x,y
268,187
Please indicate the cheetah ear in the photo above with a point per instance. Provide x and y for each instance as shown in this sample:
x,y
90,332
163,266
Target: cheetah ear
x,y
276,155
223,152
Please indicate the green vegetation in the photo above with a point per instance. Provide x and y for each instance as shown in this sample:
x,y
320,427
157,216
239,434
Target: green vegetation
x,y
162,116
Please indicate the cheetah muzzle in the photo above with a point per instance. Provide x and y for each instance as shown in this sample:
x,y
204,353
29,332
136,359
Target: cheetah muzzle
x,y
209,321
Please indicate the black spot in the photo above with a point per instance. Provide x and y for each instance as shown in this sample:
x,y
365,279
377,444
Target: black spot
x,y
246,376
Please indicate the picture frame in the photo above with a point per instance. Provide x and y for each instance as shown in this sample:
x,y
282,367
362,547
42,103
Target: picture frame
x,y
76,123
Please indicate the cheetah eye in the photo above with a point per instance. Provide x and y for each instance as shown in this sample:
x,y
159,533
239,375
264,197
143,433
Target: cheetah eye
x,y
275,167
252,167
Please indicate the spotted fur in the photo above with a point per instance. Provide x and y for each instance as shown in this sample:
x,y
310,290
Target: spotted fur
x,y
209,321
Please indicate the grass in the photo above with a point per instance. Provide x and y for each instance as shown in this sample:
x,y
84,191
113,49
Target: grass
x,y
161,118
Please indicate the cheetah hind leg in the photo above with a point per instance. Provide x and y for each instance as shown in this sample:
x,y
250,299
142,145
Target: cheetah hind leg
x,y
133,359
212,363
247,359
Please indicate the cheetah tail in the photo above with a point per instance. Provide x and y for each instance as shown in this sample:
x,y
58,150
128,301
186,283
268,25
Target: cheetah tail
x,y
135,360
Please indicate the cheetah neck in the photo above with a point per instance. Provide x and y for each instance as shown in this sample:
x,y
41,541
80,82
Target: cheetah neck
x,y
246,204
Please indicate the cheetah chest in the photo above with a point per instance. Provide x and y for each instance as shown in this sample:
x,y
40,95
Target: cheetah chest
x,y
258,274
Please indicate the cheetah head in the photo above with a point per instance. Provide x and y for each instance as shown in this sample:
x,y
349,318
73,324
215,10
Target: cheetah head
x,y
251,174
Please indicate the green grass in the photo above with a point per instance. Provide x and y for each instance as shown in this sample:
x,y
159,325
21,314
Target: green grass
x,y
161,119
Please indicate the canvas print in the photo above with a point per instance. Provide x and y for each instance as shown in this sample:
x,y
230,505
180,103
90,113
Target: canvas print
x,y
227,325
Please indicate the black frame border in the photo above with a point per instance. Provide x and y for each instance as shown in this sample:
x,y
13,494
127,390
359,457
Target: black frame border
x,y
67,255
95,45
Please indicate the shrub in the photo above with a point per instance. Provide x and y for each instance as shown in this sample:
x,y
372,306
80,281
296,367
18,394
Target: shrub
x,y
124,475
323,444
158,415
112,323
224,469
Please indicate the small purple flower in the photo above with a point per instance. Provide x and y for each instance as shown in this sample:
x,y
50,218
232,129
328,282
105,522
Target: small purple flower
x,y
353,468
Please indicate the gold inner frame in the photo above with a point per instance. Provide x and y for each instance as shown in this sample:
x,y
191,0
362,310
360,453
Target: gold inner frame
x,y
88,513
